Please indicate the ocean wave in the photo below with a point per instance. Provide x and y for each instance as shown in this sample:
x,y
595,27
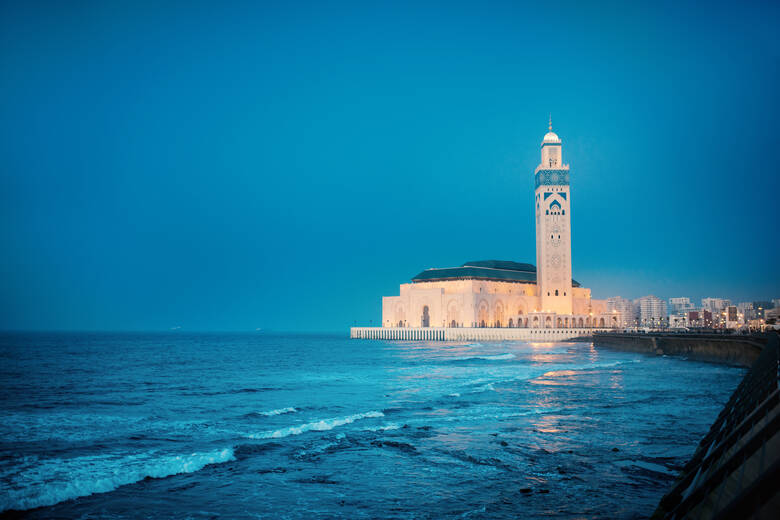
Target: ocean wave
x,y
498,416
485,388
383,427
317,426
279,411
47,482
497,357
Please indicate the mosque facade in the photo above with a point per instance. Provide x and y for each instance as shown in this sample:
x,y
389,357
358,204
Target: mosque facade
x,y
507,294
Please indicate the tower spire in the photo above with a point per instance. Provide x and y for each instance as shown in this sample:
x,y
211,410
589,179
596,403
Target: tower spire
x,y
550,122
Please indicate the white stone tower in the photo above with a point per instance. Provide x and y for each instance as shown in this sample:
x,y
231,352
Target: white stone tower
x,y
553,229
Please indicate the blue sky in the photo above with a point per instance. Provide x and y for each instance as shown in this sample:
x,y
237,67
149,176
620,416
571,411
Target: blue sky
x,y
283,166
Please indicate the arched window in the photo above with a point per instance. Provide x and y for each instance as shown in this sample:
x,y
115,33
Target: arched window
x,y
556,292
511,323
426,317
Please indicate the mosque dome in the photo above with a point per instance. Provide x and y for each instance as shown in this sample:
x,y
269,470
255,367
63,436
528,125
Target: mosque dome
x,y
551,137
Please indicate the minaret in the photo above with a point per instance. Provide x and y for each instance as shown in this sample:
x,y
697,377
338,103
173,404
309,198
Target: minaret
x,y
553,229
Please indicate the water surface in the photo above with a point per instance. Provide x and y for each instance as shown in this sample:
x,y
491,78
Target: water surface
x,y
264,426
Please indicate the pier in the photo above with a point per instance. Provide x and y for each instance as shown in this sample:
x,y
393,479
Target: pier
x,y
470,333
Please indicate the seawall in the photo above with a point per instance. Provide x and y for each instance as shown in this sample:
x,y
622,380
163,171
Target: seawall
x,y
735,470
715,348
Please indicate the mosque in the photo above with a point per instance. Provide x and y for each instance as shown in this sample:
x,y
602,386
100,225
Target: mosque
x,y
506,294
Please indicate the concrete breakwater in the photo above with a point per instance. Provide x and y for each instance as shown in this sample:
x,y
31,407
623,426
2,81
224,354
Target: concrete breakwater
x,y
716,348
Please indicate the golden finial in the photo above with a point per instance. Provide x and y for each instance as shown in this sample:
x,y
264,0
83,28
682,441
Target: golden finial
x,y
550,122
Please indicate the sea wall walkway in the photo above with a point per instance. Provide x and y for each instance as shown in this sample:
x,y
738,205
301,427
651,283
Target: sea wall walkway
x,y
468,333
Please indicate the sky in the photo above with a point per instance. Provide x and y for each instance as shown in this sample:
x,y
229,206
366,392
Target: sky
x,y
233,166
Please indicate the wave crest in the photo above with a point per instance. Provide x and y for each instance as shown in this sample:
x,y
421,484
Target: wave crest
x,y
50,481
497,357
318,426
279,411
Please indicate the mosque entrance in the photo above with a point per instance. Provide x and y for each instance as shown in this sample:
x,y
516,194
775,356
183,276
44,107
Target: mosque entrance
x,y
426,318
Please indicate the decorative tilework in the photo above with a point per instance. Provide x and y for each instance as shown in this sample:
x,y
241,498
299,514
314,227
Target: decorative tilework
x,y
552,178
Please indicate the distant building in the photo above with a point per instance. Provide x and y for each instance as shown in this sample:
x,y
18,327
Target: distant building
x,y
760,306
624,309
679,319
706,317
695,319
775,303
701,318
715,305
652,311
731,317
747,311
680,305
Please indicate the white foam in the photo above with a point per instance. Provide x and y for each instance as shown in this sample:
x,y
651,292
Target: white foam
x,y
279,411
317,426
454,394
485,388
47,482
383,427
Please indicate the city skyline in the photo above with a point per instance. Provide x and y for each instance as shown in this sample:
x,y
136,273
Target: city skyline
x,y
279,168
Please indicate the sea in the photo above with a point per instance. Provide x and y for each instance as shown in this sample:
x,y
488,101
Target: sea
x,y
260,425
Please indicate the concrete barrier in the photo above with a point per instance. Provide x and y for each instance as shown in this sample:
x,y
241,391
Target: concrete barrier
x,y
715,348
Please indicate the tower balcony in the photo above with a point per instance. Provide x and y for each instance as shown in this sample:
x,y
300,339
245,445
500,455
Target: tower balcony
x,y
542,167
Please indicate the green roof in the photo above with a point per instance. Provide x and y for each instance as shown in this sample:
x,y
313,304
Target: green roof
x,y
495,270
